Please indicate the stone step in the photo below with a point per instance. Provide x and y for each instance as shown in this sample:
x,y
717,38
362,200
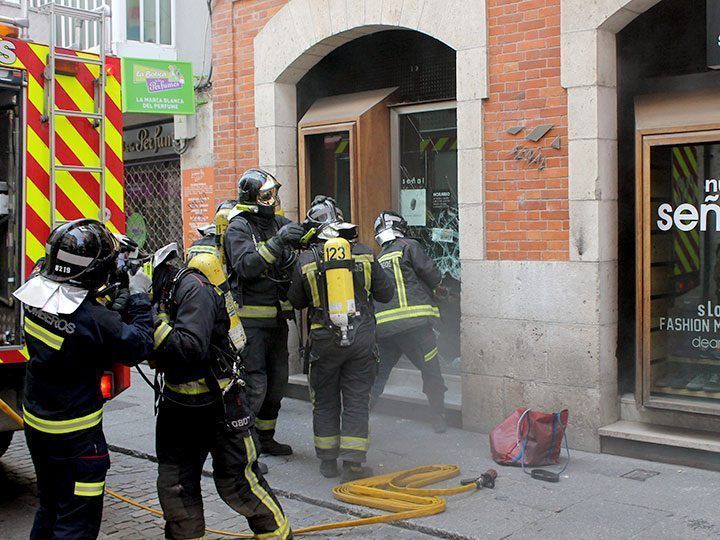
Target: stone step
x,y
682,446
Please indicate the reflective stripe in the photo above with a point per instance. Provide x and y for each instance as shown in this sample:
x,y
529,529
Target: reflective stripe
x,y
265,425
366,260
327,443
399,283
161,333
89,489
355,443
258,312
71,258
38,332
193,388
285,305
58,427
390,255
407,313
432,354
283,527
316,326
264,252
310,271
202,249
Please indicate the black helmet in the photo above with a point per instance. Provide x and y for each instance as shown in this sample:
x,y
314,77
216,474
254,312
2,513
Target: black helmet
x,y
259,188
80,252
328,221
389,226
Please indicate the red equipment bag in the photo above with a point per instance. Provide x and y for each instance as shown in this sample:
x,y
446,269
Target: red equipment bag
x,y
528,437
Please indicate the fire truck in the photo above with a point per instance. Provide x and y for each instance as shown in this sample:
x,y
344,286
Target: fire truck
x,y
60,159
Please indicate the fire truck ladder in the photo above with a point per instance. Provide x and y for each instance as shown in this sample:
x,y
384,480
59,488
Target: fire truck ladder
x,y
97,117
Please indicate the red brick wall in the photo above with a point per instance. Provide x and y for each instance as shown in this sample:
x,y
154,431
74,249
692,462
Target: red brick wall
x,y
526,209
234,26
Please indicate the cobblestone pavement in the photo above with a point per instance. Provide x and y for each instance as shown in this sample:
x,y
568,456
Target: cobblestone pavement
x,y
135,478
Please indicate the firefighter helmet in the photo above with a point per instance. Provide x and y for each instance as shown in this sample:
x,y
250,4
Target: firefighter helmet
x,y
80,252
389,226
259,188
328,221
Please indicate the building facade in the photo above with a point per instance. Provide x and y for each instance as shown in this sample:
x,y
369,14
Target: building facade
x,y
540,139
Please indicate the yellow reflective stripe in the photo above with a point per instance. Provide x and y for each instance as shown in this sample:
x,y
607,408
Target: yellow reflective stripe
x,y
327,443
258,312
283,527
406,313
366,259
285,305
355,443
265,425
89,489
38,332
202,249
194,388
399,283
264,252
62,426
432,354
310,271
316,326
161,333
391,255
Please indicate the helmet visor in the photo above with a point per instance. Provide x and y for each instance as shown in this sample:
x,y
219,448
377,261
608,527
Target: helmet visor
x,y
268,194
384,236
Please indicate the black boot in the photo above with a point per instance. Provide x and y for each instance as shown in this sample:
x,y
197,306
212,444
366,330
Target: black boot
x,y
262,468
329,468
355,471
268,445
439,422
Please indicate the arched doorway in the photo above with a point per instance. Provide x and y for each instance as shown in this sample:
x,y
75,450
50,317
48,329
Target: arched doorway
x,y
296,45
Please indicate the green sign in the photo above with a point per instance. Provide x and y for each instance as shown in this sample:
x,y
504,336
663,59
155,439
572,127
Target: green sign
x,y
157,86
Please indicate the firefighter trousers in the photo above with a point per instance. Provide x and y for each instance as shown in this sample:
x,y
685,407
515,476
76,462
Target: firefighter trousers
x,y
70,470
340,380
184,437
265,358
420,346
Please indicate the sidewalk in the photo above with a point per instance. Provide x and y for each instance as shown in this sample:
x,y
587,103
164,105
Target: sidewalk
x,y
593,499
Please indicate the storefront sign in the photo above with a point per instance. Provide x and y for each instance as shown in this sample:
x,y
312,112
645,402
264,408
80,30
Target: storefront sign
x,y
440,199
148,141
198,197
413,200
157,86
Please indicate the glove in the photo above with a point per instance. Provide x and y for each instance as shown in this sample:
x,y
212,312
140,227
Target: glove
x,y
139,282
120,302
321,199
288,235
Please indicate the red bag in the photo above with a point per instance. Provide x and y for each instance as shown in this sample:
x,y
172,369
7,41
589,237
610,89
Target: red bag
x,y
529,438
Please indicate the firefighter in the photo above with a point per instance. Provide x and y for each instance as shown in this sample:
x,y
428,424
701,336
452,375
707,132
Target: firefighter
x,y
203,409
71,339
259,246
336,271
404,325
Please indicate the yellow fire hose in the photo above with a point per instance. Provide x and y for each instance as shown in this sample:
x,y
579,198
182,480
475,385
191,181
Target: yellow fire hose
x,y
401,493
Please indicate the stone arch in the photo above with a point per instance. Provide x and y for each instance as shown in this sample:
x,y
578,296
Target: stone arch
x,y
305,31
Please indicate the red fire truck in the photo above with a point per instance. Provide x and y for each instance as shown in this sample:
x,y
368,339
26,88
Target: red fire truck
x,y
60,159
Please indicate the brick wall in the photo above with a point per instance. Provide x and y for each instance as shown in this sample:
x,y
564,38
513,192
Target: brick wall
x,y
234,27
526,209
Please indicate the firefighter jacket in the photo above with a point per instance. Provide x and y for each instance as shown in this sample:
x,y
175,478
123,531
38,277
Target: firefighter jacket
x,y
204,244
189,343
415,276
256,277
68,354
308,289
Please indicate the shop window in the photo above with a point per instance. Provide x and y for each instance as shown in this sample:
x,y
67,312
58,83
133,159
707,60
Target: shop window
x,y
681,271
427,197
150,21
329,156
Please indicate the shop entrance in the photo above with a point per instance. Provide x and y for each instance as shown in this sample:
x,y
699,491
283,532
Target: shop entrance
x,y
680,271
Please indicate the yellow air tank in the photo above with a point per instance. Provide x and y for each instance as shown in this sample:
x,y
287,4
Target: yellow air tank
x,y
339,282
210,266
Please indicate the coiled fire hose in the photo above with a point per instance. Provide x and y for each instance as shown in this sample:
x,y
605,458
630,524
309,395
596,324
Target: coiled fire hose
x,y
401,493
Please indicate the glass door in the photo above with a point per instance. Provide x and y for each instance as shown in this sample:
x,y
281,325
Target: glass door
x,y
679,294
425,187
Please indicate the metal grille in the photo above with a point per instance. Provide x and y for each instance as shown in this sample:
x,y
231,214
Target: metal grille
x,y
153,203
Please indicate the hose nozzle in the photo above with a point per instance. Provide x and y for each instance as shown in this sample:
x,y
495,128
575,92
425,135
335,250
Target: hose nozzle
x,y
485,480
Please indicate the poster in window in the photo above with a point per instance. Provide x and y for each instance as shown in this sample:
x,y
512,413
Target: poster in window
x,y
198,201
412,206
